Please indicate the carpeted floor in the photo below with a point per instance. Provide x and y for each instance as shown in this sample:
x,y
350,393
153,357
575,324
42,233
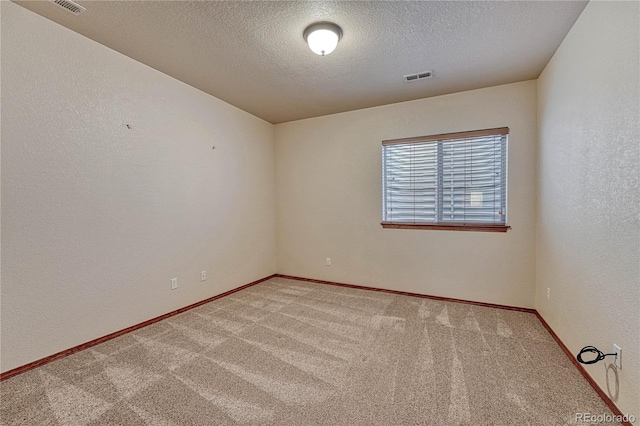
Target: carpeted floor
x,y
288,352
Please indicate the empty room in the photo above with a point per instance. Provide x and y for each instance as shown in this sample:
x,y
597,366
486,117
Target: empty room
x,y
320,212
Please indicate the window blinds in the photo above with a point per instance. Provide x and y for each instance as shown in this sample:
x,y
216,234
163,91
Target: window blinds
x,y
457,178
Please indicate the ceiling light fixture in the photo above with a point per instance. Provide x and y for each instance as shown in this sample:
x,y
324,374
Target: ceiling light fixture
x,y
322,37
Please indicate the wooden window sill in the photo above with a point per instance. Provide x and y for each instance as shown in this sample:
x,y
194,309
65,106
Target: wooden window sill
x,y
448,227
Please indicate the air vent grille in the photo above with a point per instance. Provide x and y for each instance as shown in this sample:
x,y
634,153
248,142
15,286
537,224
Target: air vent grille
x,y
71,6
417,76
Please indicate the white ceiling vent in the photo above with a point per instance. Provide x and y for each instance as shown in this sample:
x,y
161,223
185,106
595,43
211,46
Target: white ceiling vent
x,y
71,6
417,76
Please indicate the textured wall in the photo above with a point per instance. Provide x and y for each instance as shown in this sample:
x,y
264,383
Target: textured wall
x,y
328,192
588,245
96,217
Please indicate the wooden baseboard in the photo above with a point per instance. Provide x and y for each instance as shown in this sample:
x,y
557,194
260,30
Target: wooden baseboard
x,y
406,293
67,352
612,406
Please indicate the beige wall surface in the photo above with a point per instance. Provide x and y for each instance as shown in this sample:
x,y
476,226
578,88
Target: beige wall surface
x,y
329,201
97,218
588,243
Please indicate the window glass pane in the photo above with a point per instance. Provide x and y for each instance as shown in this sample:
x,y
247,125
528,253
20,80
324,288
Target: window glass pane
x,y
459,180
410,182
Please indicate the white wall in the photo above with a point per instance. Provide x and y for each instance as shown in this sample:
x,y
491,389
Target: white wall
x,y
588,245
328,192
97,218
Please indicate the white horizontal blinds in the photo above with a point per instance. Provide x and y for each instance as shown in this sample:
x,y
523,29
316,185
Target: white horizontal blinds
x,y
455,178
410,182
473,180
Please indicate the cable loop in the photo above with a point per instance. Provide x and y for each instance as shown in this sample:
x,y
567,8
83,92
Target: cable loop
x,y
592,349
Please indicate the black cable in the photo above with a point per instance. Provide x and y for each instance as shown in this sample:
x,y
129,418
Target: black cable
x,y
595,350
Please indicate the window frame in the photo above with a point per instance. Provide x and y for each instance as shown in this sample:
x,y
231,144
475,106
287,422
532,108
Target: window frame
x,y
453,226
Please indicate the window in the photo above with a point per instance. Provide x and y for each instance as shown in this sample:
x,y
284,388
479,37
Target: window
x,y
451,181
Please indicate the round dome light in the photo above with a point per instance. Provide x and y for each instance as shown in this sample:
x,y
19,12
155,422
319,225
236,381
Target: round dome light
x,y
322,37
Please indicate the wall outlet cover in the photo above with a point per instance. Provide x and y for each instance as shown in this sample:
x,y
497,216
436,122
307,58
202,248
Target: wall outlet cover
x,y
618,359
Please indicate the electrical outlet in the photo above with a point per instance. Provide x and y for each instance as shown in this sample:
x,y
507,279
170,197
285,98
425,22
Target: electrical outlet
x,y
618,359
174,283
548,293
327,262
203,275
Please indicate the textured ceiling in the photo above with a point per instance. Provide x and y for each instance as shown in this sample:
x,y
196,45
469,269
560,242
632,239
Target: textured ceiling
x,y
252,54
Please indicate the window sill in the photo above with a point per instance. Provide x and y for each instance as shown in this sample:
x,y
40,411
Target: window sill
x,y
448,227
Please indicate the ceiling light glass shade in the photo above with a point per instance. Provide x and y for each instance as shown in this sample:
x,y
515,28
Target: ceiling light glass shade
x,y
322,37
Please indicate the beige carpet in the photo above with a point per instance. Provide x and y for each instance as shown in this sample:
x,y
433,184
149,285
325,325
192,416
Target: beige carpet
x,y
289,352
